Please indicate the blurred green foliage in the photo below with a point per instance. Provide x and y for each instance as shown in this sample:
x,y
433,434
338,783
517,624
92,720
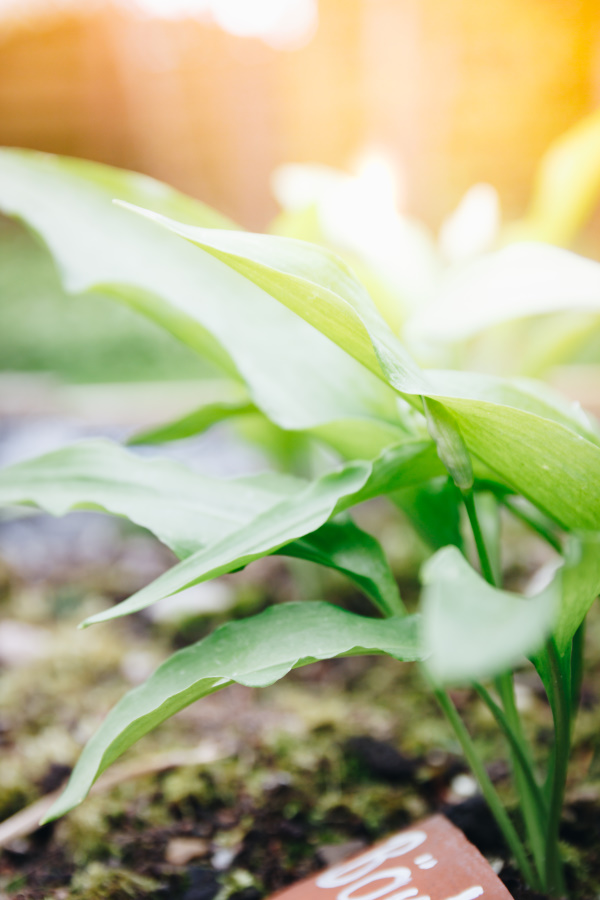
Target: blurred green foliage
x,y
91,340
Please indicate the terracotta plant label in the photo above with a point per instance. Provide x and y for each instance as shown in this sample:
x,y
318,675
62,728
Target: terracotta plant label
x,y
430,861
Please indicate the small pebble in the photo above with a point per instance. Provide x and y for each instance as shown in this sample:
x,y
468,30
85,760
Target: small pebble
x,y
21,644
182,850
223,857
464,786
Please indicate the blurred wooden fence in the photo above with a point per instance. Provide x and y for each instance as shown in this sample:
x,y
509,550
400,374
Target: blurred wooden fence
x,y
455,90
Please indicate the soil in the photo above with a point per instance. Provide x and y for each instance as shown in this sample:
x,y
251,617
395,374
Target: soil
x,y
304,773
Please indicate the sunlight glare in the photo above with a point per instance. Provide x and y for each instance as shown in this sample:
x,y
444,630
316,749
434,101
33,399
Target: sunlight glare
x,y
473,226
281,23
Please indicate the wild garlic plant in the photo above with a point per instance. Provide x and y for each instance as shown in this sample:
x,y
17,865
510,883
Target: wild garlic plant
x,y
301,342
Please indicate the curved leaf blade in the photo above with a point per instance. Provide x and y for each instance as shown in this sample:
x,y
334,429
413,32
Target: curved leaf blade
x,y
473,631
311,281
294,374
565,482
343,546
295,516
434,511
219,525
580,587
194,423
184,509
256,652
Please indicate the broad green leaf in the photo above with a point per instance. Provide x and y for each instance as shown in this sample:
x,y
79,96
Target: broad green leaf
x,y
318,286
195,422
434,510
525,394
344,546
551,465
411,463
294,374
184,509
580,587
188,511
473,631
195,515
394,256
312,282
562,474
295,516
256,651
451,448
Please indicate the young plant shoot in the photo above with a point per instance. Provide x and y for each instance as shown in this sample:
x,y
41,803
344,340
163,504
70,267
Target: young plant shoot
x,y
302,344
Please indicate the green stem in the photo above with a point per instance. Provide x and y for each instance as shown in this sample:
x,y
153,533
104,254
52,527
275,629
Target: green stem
x,y
561,711
489,791
531,797
534,823
577,649
517,747
527,788
484,559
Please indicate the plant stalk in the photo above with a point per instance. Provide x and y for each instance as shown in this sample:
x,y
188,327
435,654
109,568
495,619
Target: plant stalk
x,y
577,650
561,711
517,747
489,791
527,787
484,559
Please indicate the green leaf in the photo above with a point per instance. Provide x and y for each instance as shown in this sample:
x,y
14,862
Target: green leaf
x,y
434,511
297,377
343,546
184,509
474,631
194,515
551,465
451,448
256,651
528,441
580,587
314,283
294,375
188,511
525,394
298,514
195,422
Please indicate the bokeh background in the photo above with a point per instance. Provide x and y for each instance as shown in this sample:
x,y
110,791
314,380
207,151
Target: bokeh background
x,y
212,95
421,99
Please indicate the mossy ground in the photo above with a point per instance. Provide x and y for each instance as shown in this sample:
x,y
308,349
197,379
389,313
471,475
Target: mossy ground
x,y
302,766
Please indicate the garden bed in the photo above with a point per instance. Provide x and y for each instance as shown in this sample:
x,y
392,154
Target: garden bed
x,y
304,773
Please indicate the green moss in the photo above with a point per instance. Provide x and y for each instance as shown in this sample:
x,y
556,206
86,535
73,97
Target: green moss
x,y
99,882
236,881
86,832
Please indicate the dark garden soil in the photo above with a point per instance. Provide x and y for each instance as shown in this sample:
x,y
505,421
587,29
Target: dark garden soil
x,y
303,774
